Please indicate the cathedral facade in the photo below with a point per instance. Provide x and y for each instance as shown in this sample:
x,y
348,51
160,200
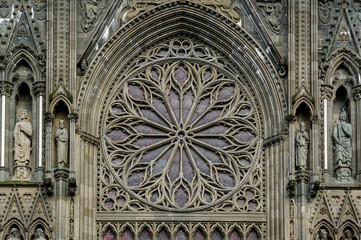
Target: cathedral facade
x,y
180,119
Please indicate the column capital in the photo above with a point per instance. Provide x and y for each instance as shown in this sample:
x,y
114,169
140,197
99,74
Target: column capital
x,y
326,92
61,174
356,92
6,88
49,117
73,117
39,88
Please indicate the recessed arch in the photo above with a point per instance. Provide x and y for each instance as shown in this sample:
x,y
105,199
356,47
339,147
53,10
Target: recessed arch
x,y
242,50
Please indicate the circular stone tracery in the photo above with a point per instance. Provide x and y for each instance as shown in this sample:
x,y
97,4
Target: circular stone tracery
x,y
180,135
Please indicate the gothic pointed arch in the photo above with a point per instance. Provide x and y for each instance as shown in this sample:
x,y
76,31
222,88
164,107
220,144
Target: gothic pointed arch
x,y
181,120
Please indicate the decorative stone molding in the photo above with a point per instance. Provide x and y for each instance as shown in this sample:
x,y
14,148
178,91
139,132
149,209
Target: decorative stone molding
x,y
324,10
303,176
39,88
291,118
315,119
72,186
291,188
6,88
273,140
49,117
273,14
48,185
315,187
282,68
87,137
356,92
73,117
323,65
91,11
326,92
140,6
61,174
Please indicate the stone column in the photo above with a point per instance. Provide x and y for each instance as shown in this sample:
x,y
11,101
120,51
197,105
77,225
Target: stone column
x,y
39,91
291,121
49,120
356,165
61,176
326,96
73,117
6,89
314,147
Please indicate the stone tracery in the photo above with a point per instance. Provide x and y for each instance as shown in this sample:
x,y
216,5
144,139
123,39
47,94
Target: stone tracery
x,y
181,133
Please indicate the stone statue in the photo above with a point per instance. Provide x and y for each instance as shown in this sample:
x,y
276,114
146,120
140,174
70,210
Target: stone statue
x,y
61,137
22,135
39,234
322,234
302,140
347,235
343,151
14,234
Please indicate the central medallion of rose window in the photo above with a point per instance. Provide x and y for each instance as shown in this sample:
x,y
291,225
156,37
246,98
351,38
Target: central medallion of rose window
x,y
180,135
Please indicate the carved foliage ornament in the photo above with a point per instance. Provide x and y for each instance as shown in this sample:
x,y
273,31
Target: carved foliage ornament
x,y
180,133
273,14
91,11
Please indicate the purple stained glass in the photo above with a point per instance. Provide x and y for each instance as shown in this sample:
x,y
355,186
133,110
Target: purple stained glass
x,y
162,235
117,135
145,235
109,204
181,235
181,75
216,235
198,236
127,235
252,236
234,236
109,235
174,132
245,136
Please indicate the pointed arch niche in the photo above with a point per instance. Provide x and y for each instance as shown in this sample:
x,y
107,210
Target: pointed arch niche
x,y
342,84
27,96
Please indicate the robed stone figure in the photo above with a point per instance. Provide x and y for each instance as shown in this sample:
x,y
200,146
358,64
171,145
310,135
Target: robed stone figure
x,y
39,234
61,138
22,136
14,234
343,151
302,140
342,136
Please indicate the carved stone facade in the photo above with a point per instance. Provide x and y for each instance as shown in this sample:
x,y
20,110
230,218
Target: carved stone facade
x,y
180,119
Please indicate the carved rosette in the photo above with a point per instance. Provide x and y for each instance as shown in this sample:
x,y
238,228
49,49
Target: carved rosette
x,y
326,92
39,88
356,92
6,88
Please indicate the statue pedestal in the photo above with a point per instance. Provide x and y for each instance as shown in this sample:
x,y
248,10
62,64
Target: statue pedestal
x,y
343,175
22,173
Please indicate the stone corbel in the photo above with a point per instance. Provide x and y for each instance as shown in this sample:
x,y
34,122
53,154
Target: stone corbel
x,y
326,92
6,88
356,92
315,187
39,88
72,186
48,185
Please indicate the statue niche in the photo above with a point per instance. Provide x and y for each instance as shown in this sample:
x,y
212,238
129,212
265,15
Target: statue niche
x,y
343,151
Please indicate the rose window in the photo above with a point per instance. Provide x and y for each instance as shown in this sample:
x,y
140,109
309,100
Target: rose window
x,y
180,134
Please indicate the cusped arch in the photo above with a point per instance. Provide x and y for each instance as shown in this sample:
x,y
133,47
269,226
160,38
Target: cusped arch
x,y
11,224
179,19
19,55
60,99
345,57
326,224
40,223
349,224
